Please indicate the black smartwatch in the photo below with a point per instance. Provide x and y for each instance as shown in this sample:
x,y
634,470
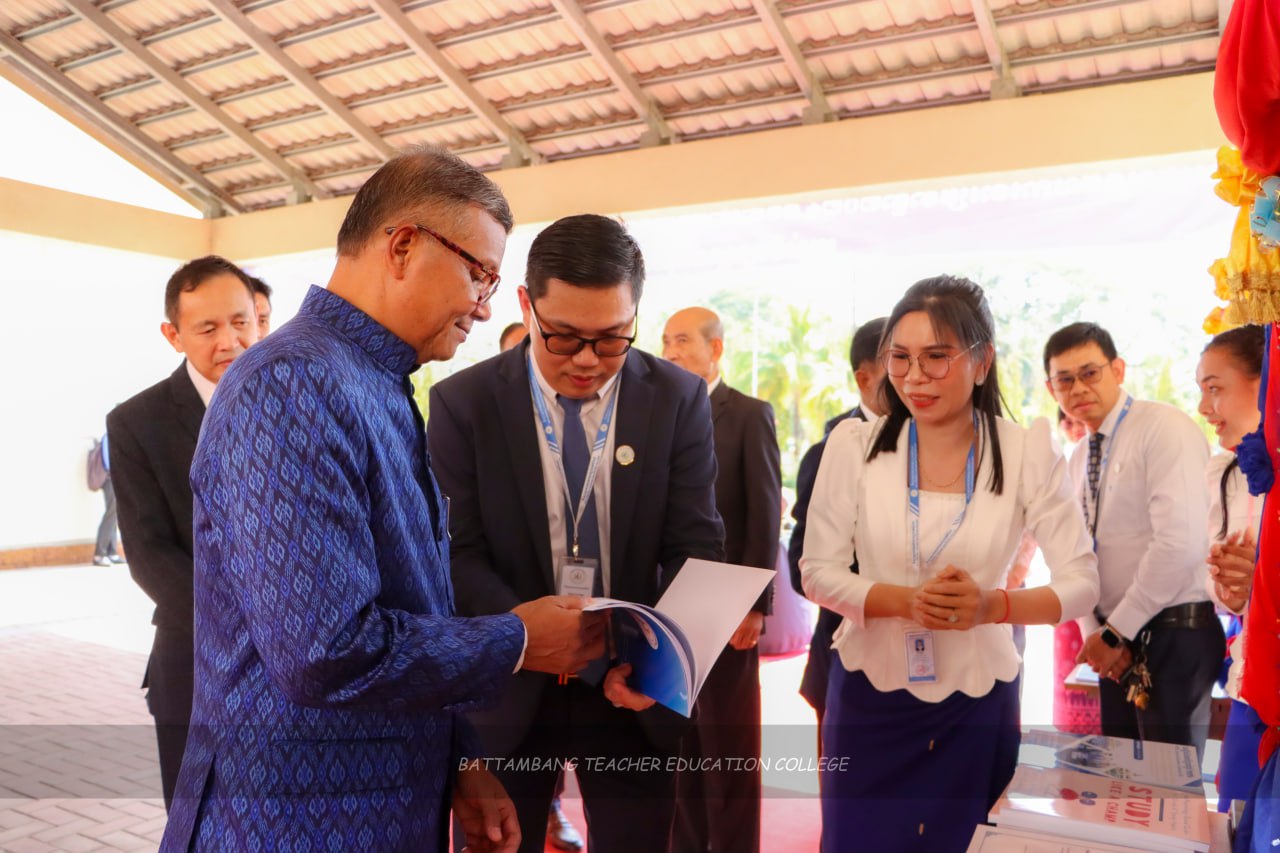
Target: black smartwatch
x,y
1110,637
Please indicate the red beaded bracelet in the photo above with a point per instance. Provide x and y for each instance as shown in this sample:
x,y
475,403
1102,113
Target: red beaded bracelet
x,y
1004,618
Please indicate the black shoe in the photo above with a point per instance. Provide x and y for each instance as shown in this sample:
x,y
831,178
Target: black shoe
x,y
99,560
560,832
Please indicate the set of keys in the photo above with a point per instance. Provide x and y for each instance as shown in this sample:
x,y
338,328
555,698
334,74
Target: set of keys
x,y
1139,686
1140,677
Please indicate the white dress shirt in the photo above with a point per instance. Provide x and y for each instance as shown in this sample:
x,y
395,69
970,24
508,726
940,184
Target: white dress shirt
x,y
558,519
861,507
1153,519
1244,511
204,387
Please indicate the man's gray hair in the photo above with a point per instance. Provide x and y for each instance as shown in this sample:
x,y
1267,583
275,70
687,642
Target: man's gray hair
x,y
416,178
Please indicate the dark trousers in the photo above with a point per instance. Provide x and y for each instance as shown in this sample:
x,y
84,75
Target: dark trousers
x,y
169,681
718,805
1184,664
107,536
627,785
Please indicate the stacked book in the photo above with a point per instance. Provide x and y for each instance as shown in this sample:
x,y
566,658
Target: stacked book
x,y
1094,794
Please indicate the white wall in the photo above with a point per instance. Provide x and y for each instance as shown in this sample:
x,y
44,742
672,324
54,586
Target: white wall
x,y
81,333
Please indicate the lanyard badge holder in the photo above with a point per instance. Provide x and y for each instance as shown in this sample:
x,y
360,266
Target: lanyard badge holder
x,y
576,575
918,642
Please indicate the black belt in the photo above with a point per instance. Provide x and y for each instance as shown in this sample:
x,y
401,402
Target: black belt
x,y
1197,614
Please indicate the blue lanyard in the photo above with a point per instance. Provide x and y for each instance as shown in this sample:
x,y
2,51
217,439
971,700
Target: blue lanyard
x,y
553,444
1102,474
913,499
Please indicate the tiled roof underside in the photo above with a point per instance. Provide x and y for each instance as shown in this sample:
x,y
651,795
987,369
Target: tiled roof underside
x,y
259,103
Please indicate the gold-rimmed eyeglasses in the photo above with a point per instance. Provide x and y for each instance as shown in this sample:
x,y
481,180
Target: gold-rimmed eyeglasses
x,y
935,364
1088,375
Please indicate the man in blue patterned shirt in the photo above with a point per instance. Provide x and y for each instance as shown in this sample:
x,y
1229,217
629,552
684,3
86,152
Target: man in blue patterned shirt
x,y
330,668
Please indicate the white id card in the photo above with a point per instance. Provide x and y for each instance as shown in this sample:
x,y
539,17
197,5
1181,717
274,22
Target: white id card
x,y
577,575
920,666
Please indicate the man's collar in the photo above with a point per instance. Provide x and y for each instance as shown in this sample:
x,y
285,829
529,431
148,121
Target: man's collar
x,y
204,387
713,385
549,393
1109,422
367,333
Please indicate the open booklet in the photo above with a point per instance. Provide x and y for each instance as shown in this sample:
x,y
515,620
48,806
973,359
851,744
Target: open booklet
x,y
671,647
1168,765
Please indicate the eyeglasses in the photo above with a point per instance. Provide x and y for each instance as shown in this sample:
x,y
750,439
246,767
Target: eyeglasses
x,y
487,278
1088,375
934,364
557,343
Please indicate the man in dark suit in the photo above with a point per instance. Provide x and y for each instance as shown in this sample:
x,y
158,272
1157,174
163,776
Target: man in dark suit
x,y
868,373
209,308
718,808
512,441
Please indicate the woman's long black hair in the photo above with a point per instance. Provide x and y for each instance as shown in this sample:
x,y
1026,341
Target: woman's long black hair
x,y
1246,346
958,305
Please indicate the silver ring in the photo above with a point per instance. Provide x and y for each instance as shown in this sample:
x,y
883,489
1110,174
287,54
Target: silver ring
x,y
953,618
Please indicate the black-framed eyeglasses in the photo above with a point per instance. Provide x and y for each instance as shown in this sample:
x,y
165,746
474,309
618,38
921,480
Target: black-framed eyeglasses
x,y
1088,375
487,278
559,343
934,364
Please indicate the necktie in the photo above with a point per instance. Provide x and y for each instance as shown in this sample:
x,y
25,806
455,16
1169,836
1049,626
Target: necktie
x,y
1094,472
576,455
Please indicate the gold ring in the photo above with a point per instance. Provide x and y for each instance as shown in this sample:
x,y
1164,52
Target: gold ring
x,y
953,618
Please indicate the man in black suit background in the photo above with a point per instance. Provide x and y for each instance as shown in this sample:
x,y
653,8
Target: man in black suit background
x,y
718,809
210,318
868,373
511,441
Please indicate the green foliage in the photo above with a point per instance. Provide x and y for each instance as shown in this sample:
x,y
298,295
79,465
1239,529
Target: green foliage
x,y
790,358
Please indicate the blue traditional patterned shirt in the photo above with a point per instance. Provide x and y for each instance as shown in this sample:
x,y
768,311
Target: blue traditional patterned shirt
x,y
330,668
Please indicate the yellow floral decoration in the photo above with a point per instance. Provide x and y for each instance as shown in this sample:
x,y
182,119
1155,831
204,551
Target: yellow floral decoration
x,y
1247,279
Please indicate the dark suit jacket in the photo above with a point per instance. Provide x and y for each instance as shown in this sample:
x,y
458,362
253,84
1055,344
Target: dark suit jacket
x,y
153,439
483,440
749,485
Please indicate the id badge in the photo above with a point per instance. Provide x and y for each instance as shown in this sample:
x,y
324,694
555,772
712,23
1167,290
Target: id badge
x,y
577,575
920,665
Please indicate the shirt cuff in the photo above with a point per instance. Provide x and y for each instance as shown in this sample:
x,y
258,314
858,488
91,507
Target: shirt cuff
x,y
524,646
1128,620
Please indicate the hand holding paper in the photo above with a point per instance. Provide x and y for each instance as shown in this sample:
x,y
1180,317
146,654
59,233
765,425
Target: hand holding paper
x,y
672,647
562,636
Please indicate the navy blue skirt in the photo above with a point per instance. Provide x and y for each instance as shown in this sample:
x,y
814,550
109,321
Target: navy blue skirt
x,y
900,774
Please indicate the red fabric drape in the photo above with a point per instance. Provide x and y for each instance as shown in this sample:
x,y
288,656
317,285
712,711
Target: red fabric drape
x,y
1260,686
1246,89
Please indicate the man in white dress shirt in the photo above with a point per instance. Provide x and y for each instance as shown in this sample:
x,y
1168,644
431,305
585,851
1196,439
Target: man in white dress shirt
x,y
1140,477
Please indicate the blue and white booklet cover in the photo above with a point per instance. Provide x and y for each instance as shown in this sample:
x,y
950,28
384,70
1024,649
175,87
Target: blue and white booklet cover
x,y
1147,762
671,647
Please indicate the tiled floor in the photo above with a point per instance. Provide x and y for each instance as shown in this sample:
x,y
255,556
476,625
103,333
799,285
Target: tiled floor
x,y
78,768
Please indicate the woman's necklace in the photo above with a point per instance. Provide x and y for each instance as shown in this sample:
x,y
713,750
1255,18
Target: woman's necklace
x,y
950,482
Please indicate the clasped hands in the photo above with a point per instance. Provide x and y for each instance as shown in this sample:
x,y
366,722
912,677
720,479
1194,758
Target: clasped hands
x,y
563,639
951,600
1231,565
